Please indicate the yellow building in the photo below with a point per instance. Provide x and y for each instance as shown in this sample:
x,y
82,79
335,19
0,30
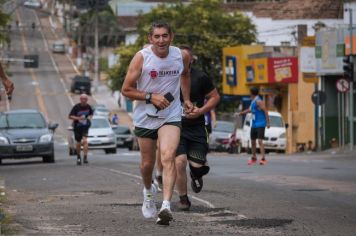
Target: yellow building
x,y
280,85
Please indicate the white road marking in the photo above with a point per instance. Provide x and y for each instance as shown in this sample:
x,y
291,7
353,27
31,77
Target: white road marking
x,y
55,65
209,204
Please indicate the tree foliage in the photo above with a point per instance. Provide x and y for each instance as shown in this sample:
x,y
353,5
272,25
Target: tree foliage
x,y
202,24
4,19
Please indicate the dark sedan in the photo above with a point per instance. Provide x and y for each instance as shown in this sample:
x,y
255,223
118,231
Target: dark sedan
x,y
124,136
26,134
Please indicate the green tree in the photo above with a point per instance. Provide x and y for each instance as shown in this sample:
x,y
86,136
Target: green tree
x,y
203,24
4,19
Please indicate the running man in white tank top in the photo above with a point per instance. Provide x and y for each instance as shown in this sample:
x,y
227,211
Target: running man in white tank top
x,y
154,78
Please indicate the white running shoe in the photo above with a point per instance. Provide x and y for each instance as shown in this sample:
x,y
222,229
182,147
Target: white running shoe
x,y
164,216
149,209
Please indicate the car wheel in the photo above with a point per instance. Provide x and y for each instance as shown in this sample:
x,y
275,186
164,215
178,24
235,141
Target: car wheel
x,y
113,150
0,161
49,158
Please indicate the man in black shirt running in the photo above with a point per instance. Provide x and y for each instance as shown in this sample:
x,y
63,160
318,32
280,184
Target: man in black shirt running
x,y
193,146
81,114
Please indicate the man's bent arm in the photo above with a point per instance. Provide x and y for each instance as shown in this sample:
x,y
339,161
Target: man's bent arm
x,y
133,74
185,77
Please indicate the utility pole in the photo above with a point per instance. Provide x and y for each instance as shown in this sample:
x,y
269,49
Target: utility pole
x,y
351,115
96,53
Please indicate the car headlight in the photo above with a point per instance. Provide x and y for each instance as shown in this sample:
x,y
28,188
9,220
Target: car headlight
x,y
3,140
47,138
283,135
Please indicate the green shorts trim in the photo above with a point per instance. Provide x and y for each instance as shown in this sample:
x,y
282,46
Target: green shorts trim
x,y
153,133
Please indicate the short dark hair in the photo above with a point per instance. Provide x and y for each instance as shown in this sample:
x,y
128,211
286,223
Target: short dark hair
x,y
254,91
159,24
185,47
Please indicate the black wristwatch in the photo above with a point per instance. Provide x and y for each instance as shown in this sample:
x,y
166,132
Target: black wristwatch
x,y
148,97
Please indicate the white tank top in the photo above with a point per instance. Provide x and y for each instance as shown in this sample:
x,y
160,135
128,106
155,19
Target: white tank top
x,y
162,76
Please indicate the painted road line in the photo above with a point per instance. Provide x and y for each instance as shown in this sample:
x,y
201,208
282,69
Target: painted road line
x,y
56,67
207,203
38,94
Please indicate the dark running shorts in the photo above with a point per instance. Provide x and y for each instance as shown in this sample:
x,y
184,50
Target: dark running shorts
x,y
257,133
153,133
80,132
194,144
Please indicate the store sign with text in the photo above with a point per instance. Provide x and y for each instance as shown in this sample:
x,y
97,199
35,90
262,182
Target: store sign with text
x,y
283,70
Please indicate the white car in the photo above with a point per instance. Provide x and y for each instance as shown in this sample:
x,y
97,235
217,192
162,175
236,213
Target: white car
x,y
33,4
100,136
275,136
58,47
101,111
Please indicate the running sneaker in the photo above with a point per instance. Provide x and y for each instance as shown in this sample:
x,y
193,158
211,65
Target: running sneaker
x,y
158,181
184,203
252,161
164,216
149,209
79,160
196,183
263,162
86,160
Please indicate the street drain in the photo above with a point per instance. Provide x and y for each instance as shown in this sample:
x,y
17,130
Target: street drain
x,y
329,168
257,223
310,190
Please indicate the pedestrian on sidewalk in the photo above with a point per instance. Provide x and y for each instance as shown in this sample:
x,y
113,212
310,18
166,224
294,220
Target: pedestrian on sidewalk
x,y
260,120
115,119
154,78
193,146
81,115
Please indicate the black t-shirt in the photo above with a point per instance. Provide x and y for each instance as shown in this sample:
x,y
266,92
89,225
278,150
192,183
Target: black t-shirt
x,y
81,110
201,85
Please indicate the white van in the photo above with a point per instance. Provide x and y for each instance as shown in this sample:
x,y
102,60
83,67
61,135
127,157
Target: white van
x,y
275,136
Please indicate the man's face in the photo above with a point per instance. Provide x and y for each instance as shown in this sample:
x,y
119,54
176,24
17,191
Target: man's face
x,y
83,100
160,39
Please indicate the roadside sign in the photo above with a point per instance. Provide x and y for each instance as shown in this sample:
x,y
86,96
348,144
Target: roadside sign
x,y
318,98
342,85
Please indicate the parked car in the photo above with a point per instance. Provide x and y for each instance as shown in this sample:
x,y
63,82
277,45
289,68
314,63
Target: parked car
x,y
100,136
275,136
26,134
58,47
33,4
220,136
124,136
81,84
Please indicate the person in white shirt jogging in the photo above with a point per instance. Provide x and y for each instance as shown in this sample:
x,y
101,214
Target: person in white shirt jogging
x,y
154,78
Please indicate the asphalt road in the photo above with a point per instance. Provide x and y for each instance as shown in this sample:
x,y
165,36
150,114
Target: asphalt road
x,y
293,195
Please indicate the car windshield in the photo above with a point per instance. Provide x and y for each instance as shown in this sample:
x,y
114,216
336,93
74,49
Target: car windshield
x,y
99,123
22,121
101,109
226,127
122,130
276,121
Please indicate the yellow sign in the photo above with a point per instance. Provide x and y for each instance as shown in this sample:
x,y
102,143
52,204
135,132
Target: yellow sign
x,y
309,41
310,78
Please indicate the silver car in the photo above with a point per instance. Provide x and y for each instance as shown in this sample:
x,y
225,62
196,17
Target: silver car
x,y
100,136
101,111
25,133
220,136
58,47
